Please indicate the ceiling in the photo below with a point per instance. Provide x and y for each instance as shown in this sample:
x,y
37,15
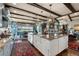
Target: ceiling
x,y
35,12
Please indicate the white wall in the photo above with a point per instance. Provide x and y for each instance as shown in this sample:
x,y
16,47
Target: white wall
x,y
66,20
72,23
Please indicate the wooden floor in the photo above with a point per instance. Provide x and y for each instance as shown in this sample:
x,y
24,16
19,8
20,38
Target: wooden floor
x,y
67,52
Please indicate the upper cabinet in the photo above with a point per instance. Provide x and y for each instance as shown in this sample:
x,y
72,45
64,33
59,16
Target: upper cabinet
x,y
4,15
1,7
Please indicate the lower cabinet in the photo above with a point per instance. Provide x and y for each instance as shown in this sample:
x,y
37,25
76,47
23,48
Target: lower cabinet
x,y
1,52
8,48
63,43
54,47
50,47
44,44
30,37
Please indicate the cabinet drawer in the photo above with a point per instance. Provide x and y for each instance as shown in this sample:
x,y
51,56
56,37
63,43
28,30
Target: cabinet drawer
x,y
1,52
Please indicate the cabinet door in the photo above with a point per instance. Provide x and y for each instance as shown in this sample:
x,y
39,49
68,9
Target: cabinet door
x,y
11,46
1,52
30,38
54,47
63,43
35,41
66,42
7,49
44,46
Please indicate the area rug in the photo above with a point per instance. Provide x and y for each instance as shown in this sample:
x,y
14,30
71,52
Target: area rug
x,y
24,49
73,45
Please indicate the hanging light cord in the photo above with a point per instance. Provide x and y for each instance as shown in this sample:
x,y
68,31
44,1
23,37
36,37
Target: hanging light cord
x,y
50,9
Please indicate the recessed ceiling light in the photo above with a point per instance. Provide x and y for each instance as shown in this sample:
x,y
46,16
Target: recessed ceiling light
x,y
75,13
50,20
41,11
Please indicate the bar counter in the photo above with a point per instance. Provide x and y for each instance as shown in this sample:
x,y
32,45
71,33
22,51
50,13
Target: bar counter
x,y
51,37
6,46
50,46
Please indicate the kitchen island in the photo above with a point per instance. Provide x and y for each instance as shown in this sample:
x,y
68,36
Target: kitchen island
x,y
6,46
50,46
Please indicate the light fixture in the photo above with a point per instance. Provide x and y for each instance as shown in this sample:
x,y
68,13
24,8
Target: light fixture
x,y
75,13
49,20
50,14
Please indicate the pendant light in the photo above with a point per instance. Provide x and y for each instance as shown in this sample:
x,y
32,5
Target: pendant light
x,y
50,14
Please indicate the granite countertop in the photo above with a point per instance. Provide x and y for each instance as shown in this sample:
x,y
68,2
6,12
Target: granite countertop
x,y
51,37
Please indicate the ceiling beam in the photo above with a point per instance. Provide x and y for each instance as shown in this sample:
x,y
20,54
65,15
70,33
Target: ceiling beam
x,y
70,7
28,16
75,16
70,18
43,8
26,11
68,14
22,22
23,19
26,23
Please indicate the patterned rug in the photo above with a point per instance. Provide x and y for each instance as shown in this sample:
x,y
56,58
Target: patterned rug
x,y
23,48
74,45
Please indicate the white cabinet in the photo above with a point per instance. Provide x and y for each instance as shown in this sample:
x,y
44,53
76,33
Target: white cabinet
x,y
1,52
7,49
50,47
54,45
44,46
36,42
30,37
63,43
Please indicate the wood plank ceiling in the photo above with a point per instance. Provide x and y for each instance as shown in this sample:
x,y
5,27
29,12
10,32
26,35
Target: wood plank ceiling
x,y
36,12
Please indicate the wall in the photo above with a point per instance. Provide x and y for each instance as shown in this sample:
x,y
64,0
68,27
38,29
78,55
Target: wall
x,y
72,23
66,20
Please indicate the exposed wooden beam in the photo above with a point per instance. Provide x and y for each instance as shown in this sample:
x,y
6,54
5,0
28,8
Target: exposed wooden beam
x,y
70,18
26,23
75,16
27,16
70,7
68,14
26,11
23,22
43,8
23,19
